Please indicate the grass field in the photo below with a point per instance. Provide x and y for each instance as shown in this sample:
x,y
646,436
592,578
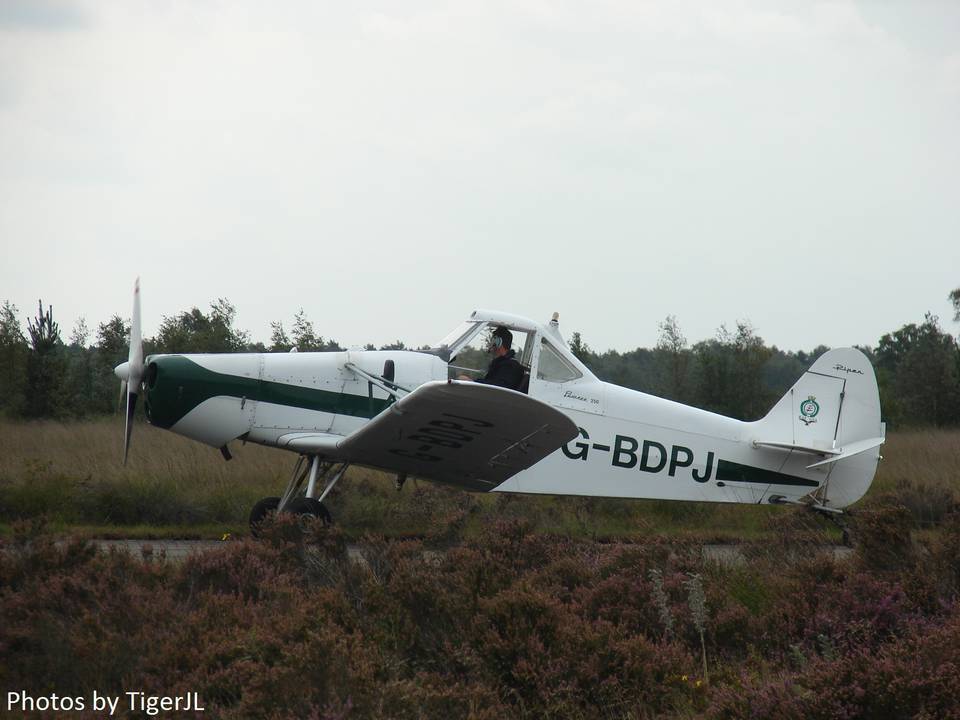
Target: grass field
x,y
71,474
532,609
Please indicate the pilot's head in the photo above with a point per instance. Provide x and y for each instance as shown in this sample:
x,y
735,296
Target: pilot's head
x,y
500,341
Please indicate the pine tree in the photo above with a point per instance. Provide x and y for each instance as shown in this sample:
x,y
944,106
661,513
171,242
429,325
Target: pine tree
x,y
13,362
45,366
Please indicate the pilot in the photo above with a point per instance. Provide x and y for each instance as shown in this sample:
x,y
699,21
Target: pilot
x,y
504,370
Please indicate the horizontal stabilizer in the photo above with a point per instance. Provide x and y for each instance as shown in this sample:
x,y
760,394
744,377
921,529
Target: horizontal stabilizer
x,y
850,450
823,452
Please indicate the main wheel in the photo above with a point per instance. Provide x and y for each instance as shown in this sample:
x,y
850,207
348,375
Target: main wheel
x,y
309,511
260,511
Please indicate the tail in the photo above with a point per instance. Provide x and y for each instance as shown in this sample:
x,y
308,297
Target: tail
x,y
829,421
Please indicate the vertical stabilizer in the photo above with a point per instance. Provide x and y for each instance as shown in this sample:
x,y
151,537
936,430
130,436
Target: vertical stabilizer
x,y
832,411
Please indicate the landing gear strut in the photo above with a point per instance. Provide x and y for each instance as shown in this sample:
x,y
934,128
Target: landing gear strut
x,y
838,520
307,508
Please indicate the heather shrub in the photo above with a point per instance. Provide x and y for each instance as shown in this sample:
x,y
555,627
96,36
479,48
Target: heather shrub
x,y
912,676
506,623
795,531
412,612
747,586
928,503
563,577
73,615
249,570
624,600
882,536
944,563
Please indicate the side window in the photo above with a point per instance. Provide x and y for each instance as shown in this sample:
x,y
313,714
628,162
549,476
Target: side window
x,y
553,367
524,343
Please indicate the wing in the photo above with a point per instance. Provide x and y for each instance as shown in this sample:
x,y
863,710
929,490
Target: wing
x,y
463,433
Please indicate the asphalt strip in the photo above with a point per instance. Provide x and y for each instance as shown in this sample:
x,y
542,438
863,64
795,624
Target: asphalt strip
x,y
179,550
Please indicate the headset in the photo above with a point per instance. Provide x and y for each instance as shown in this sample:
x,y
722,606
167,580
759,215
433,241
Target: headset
x,y
496,339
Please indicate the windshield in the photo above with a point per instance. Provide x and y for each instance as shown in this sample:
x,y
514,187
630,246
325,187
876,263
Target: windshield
x,y
458,337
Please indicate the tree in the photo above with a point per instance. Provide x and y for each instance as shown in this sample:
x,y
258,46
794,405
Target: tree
x,y
636,369
44,365
580,349
112,338
80,334
917,365
731,373
784,368
222,315
79,375
306,338
110,350
954,298
279,340
193,331
13,361
675,358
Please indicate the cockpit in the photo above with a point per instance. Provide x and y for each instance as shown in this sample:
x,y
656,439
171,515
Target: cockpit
x,y
539,349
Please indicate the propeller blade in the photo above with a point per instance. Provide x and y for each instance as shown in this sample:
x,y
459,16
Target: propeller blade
x,y
132,370
123,394
136,342
128,429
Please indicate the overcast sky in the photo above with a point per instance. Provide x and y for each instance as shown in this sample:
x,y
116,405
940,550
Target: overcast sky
x,y
391,166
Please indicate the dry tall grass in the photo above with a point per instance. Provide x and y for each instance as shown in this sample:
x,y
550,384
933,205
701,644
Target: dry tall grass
x,y
921,471
923,457
72,473
95,448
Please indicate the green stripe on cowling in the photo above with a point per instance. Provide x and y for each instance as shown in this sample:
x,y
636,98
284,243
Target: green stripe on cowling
x,y
735,472
180,385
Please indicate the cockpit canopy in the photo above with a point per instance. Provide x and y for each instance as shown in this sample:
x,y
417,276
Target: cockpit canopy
x,y
539,348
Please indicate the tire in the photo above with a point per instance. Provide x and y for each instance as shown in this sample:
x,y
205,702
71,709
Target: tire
x,y
309,511
260,511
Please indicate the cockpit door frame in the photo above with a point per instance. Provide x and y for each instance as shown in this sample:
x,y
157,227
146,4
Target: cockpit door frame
x,y
584,393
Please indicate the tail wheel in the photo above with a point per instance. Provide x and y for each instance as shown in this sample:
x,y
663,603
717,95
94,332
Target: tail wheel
x,y
260,511
310,511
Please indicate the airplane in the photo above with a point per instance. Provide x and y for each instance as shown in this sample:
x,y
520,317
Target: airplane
x,y
562,431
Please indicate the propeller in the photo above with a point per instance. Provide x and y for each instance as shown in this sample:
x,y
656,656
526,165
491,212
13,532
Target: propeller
x,y
131,372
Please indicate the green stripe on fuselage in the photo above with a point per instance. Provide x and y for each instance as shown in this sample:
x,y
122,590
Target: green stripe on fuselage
x,y
180,385
735,472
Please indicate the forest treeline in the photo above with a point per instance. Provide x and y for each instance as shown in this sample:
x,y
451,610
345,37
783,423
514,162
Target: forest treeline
x,y
44,375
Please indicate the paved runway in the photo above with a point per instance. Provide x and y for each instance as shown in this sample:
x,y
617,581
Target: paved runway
x,y
178,550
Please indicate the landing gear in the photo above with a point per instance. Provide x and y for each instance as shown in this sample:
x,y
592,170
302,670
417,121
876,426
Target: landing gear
x,y
309,512
260,511
308,509
836,517
838,520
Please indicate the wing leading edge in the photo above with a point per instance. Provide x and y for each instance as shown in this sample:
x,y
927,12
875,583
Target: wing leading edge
x,y
463,433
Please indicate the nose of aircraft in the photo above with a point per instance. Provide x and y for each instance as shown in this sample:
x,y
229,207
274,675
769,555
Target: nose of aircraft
x,y
122,371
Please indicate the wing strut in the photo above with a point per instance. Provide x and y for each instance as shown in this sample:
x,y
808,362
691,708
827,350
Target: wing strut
x,y
388,387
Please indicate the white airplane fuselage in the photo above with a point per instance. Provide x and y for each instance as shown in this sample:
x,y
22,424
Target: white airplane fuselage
x,y
630,444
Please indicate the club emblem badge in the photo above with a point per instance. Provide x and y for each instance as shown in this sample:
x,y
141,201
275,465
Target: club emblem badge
x,y
808,410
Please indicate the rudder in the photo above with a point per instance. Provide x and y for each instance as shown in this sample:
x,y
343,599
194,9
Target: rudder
x,y
833,411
